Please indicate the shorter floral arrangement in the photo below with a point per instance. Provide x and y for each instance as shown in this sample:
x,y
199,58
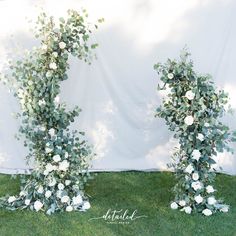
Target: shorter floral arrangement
x,y
192,110
61,156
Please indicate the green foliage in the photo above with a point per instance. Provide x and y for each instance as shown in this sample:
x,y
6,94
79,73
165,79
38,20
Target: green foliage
x,y
61,156
192,109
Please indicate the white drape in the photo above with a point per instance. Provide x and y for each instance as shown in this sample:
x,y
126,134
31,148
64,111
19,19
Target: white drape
x,y
118,91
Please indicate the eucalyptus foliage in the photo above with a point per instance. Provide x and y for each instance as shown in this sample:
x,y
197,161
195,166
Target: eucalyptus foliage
x,y
192,109
61,156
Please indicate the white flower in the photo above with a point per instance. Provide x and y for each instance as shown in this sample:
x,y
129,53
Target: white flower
x,y
189,95
62,45
188,209
77,200
206,124
52,132
65,199
196,185
48,74
200,137
69,208
64,165
174,205
211,200
44,47
57,99
42,128
67,182
40,189
60,186
52,182
21,93
55,54
38,205
23,193
27,202
56,158
196,154
49,167
225,209
195,176
11,199
48,150
86,205
188,120
66,154
182,203
207,212
42,102
45,172
53,66
48,194
170,76
59,193
198,199
189,169
210,189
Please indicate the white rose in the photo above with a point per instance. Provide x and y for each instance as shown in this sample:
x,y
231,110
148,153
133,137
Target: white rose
x,y
182,203
42,102
53,66
55,54
67,182
49,167
210,189
66,154
38,205
174,205
65,199
195,176
11,199
198,199
188,209
48,150
196,154
63,166
62,45
44,47
77,200
225,209
27,202
189,95
42,128
40,189
206,124
45,172
188,120
56,158
59,193
170,76
51,132
196,185
23,193
200,137
189,169
211,200
52,182
86,205
69,208
48,194
207,212
60,186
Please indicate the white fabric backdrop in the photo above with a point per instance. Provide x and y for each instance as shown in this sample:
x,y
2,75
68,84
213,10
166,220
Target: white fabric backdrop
x,y
118,91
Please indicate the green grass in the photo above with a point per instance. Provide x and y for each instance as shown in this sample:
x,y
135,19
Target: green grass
x,y
149,193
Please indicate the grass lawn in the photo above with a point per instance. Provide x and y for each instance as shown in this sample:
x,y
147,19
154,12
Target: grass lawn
x,y
148,193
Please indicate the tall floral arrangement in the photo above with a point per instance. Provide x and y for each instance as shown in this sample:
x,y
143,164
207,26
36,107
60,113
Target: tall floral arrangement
x,y
192,110
61,156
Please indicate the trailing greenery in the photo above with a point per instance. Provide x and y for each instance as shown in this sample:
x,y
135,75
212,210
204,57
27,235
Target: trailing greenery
x,y
192,110
61,156
149,193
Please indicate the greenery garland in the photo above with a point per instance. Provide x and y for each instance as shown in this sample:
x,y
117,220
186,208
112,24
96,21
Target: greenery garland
x,y
61,156
192,110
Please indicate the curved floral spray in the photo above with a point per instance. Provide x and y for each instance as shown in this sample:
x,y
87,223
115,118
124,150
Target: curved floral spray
x,y
192,110
61,156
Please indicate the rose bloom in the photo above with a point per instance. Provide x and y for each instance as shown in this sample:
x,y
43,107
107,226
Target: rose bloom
x,y
86,205
188,120
198,199
207,212
62,45
174,205
200,137
188,209
182,203
38,205
189,95
170,76
53,66
210,189
195,176
196,185
196,154
69,208
211,200
189,169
